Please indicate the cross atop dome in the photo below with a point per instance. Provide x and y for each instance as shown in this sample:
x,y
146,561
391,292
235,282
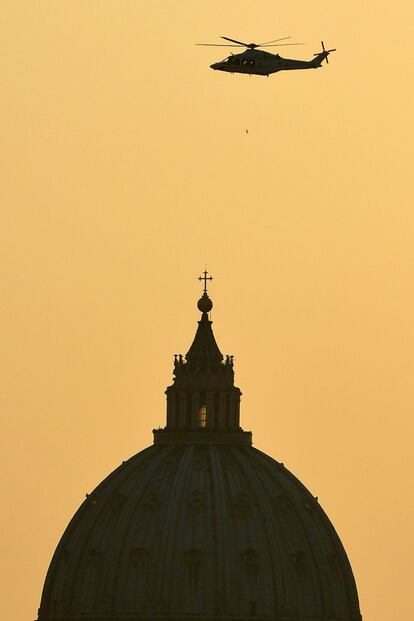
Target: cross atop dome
x,y
205,278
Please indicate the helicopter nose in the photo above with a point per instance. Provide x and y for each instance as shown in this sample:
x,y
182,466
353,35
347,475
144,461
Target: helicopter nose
x,y
214,66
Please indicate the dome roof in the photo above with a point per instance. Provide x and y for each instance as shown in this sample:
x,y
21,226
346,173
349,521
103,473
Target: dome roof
x,y
205,531
200,525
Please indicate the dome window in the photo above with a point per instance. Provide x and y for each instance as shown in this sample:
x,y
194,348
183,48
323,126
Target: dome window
x,y
196,501
193,561
202,416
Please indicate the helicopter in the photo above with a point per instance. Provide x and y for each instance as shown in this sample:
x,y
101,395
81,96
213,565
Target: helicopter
x,y
254,61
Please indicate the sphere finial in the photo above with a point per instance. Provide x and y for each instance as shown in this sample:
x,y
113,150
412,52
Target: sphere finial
x,y
204,304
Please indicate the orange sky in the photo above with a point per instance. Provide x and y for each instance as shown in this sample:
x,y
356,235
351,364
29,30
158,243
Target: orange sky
x,y
125,166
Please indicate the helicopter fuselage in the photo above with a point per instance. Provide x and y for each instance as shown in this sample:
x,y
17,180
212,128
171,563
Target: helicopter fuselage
x,y
258,62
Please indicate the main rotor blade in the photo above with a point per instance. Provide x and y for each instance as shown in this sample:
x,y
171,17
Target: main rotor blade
x,y
275,40
235,41
219,45
281,44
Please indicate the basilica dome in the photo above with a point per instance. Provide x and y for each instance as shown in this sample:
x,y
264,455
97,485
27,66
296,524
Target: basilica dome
x,y
200,525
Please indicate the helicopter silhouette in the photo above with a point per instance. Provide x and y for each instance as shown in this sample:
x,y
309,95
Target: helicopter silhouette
x,y
254,61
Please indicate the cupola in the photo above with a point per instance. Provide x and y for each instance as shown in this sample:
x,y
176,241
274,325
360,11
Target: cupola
x,y
203,404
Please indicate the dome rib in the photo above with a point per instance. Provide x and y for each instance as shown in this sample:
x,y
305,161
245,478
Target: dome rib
x,y
325,532
225,544
216,529
129,519
174,534
302,539
121,523
273,545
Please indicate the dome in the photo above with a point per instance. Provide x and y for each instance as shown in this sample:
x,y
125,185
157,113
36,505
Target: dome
x,y
202,530
201,525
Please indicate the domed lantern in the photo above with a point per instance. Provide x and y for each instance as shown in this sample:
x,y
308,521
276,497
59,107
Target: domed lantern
x,y
200,525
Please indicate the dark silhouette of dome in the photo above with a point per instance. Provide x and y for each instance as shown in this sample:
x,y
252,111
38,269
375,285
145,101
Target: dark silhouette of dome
x,y
200,525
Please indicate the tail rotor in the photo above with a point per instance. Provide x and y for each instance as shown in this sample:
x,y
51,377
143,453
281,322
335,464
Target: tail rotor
x,y
325,53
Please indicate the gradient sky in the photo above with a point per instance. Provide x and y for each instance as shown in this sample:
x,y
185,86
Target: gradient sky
x,y
125,165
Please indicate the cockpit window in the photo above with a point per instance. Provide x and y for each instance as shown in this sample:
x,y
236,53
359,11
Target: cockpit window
x,y
244,62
